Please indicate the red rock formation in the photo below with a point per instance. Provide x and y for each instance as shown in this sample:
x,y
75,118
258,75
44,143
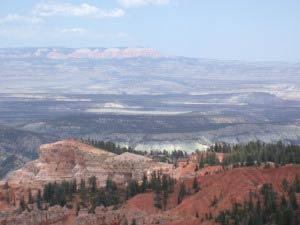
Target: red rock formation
x,y
227,186
230,186
53,216
67,160
71,159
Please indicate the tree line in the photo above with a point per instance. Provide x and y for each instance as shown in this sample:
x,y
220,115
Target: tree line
x,y
111,147
91,196
250,154
161,156
256,153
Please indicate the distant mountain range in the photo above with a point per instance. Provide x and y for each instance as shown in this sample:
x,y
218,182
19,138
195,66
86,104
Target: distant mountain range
x,y
136,71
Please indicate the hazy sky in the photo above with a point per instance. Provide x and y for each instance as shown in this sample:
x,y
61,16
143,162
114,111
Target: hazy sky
x,y
223,29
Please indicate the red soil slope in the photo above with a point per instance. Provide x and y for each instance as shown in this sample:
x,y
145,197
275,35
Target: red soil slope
x,y
227,187
230,186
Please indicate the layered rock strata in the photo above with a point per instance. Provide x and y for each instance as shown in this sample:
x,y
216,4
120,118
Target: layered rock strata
x,y
71,159
53,216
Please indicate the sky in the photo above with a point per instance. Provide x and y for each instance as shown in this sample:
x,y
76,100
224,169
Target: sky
x,y
253,30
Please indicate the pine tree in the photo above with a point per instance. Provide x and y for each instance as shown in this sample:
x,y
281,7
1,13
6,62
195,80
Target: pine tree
x,y
59,195
22,204
296,184
165,199
132,189
101,198
182,192
157,187
157,200
30,198
283,203
133,222
7,197
287,217
93,184
196,185
124,221
110,185
112,195
74,186
293,200
82,185
250,203
39,199
144,184
221,219
214,202
201,163
285,185
258,207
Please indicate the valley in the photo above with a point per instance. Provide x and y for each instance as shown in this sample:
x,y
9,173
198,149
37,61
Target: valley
x,y
186,104
130,136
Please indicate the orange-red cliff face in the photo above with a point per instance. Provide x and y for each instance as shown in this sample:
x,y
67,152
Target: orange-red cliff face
x,y
70,159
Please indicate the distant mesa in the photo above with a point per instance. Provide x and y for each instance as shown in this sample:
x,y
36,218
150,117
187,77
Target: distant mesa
x,y
78,53
114,105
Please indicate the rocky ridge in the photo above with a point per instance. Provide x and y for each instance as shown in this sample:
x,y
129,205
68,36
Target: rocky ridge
x,y
71,159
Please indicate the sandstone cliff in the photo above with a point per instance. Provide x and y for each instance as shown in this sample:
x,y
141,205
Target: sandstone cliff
x,y
53,216
70,159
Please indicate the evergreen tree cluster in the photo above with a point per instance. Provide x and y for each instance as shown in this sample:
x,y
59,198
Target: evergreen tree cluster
x,y
221,148
112,147
91,196
162,185
207,158
250,154
53,194
255,153
63,193
182,193
161,156
168,157
107,196
196,185
59,193
268,209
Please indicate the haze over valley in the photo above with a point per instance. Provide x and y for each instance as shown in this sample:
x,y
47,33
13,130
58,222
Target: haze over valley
x,y
140,98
